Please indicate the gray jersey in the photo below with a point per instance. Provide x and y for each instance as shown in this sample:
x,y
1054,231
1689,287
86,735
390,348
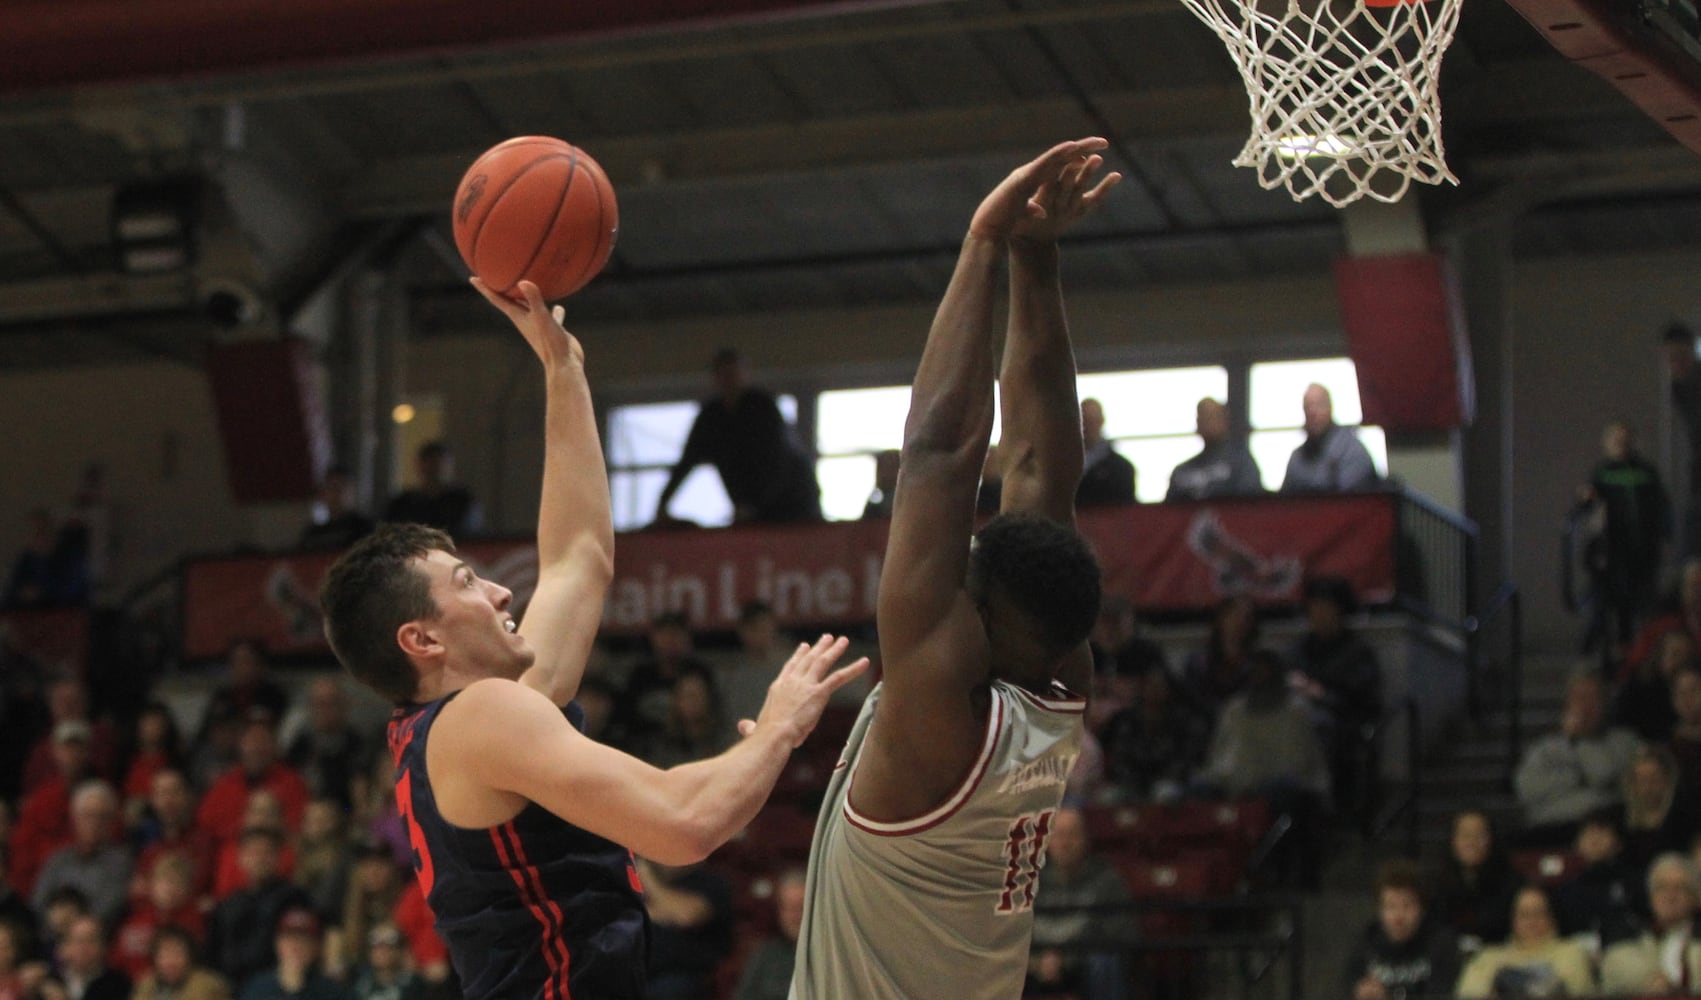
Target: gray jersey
x,y
941,905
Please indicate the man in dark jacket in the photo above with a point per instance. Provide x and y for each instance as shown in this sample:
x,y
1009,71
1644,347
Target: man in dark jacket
x,y
1403,954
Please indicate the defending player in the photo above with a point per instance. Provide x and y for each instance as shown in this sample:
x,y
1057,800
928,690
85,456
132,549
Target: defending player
x,y
523,829
921,875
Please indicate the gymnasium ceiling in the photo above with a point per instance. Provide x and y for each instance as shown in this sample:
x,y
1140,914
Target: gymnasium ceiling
x,y
825,159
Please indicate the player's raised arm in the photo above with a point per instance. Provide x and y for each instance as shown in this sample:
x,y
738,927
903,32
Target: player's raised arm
x,y
506,738
575,534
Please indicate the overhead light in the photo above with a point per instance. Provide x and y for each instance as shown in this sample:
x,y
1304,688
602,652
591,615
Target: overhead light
x,y
403,413
1301,146
153,225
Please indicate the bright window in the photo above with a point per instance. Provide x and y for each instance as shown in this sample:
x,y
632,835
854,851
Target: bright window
x,y
1276,388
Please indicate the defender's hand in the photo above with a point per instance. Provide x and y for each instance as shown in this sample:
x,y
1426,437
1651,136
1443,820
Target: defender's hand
x,y
538,323
1012,201
800,692
1060,203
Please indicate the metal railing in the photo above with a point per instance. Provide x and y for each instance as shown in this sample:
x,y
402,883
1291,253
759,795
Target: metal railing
x,y
1495,655
1435,555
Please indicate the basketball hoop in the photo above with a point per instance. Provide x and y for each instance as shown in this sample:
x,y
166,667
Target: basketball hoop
x,y
1345,95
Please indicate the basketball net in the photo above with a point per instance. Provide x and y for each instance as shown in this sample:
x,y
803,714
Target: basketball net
x,y
1345,95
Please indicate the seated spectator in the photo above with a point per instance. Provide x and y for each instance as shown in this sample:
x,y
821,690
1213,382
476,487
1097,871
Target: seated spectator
x,y
1659,815
1686,733
68,701
695,728
1106,477
767,974
17,945
295,974
1152,747
879,505
1602,902
386,973
170,902
214,752
691,919
1331,459
743,679
1223,469
435,498
247,686
82,964
1265,747
1644,703
175,973
374,888
1217,674
1076,877
93,863
1682,614
329,752
336,522
1404,952
1337,674
1566,775
171,829
64,908
156,745
323,858
14,908
1475,883
263,812
236,943
257,767
1121,656
644,708
1665,959
1536,962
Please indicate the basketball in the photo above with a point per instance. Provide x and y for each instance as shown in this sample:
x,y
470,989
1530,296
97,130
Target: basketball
x,y
535,209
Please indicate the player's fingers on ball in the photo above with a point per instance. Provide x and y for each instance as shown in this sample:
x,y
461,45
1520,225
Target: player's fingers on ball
x,y
559,314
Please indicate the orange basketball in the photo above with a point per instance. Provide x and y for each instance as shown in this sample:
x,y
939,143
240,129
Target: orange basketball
x,y
537,209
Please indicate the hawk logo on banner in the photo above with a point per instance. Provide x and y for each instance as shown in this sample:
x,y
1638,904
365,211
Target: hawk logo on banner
x,y
1236,568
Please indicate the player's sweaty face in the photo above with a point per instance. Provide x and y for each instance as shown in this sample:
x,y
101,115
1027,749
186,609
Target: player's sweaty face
x,y
474,617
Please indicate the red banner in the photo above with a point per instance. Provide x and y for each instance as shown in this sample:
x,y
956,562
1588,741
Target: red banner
x,y
1171,557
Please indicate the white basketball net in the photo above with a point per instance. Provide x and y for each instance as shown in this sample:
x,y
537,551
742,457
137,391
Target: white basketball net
x,y
1344,97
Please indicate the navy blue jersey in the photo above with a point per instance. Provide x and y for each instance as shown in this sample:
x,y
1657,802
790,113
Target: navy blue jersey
x,y
534,908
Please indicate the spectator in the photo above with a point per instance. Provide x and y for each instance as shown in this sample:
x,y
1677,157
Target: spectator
x,y
1686,732
386,975
1152,746
336,523
1121,656
644,709
1644,695
324,859
236,942
1678,345
1332,459
248,686
172,830
68,701
87,533
1404,952
45,574
257,767
329,752
1567,774
1214,676
1659,815
740,431
296,974
767,975
435,498
175,973
1224,468
214,752
16,943
64,907
430,955
879,505
374,888
1265,747
744,678
1602,902
44,819
14,908
1665,959
1107,477
598,699
157,745
1475,883
691,918
170,902
1076,877
1534,963
1338,676
1637,523
82,963
93,863
263,812
1681,613
696,727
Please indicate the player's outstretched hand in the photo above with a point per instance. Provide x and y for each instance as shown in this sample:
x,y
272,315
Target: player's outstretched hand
x,y
800,692
1060,203
538,323
1018,200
